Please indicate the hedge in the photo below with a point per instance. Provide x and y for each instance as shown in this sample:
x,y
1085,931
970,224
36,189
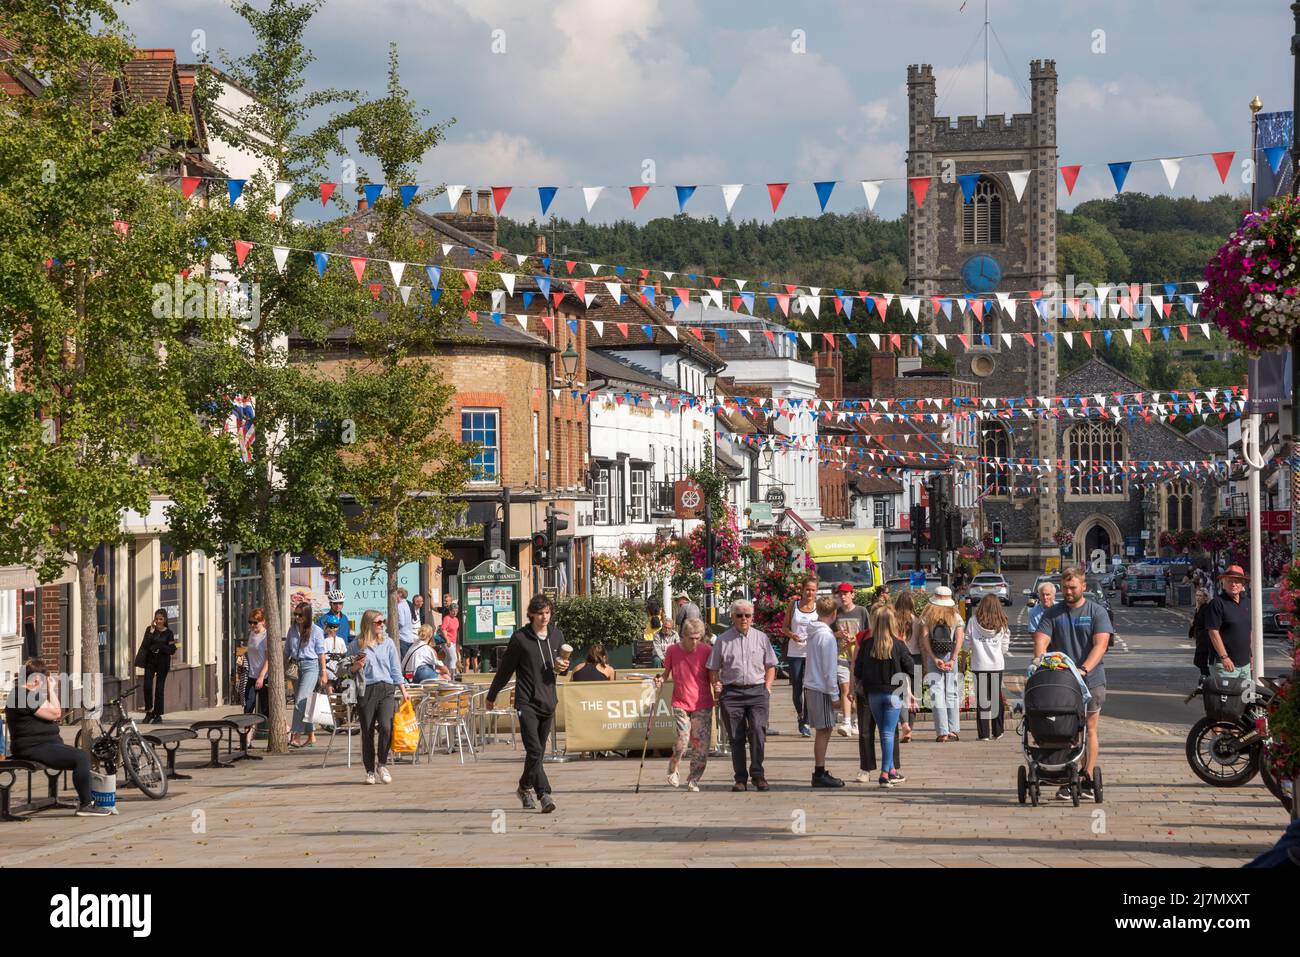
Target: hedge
x,y
588,619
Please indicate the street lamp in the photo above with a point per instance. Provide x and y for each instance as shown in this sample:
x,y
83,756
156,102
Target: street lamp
x,y
710,383
569,357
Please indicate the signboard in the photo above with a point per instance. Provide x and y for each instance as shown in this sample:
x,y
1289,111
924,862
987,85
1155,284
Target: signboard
x,y
775,497
172,594
917,579
364,584
612,715
1276,521
1051,565
489,601
688,498
760,512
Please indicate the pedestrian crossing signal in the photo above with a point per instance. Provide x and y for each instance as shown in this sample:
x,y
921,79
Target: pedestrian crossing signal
x,y
997,534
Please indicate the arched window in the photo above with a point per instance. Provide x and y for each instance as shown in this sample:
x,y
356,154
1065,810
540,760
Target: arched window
x,y
1090,446
996,477
981,218
1180,506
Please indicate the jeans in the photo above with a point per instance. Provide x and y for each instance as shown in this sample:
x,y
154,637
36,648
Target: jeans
x,y
988,704
866,739
797,666
534,729
693,734
885,708
308,678
155,681
425,673
56,754
255,700
746,712
377,708
945,700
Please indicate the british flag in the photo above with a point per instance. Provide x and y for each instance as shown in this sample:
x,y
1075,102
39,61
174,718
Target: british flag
x,y
240,424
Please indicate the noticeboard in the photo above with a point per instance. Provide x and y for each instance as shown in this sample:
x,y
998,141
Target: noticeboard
x,y
489,601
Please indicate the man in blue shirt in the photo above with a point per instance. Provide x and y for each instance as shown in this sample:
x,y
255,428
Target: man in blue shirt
x,y
335,616
1046,599
1081,628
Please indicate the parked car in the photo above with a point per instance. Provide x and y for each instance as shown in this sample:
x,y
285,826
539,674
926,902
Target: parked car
x,y
1144,583
1277,623
932,581
1031,594
989,583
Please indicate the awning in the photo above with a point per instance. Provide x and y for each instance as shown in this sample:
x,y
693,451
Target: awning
x,y
798,520
13,577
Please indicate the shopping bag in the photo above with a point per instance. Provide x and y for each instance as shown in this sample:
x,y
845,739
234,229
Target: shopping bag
x,y
319,711
406,730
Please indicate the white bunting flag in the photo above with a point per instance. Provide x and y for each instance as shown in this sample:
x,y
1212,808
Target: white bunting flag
x,y
715,296
498,300
556,393
447,248
1205,328
370,238
1006,339
744,334
406,295
671,330
453,195
596,268
669,276
912,307
740,283
522,319
599,325
875,339
1128,335
941,339
1171,166
396,268
871,187
1019,177
508,280
520,259
280,254
1200,285
1103,293
1157,302
1004,300
1069,338
591,194
729,194
615,290
1194,308
590,298
281,191
815,290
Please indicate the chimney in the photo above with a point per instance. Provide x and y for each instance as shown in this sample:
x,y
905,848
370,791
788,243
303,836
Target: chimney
x,y
541,244
362,205
884,370
485,202
465,204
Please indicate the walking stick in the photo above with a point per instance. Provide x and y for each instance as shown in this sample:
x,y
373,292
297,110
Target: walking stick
x,y
654,703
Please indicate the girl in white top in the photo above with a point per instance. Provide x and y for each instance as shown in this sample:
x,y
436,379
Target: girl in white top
x,y
990,638
798,617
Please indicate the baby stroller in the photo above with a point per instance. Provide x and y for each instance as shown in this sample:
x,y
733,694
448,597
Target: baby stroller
x,y
1054,732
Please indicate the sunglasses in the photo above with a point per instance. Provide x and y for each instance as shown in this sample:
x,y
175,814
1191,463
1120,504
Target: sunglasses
x,y
742,614
379,621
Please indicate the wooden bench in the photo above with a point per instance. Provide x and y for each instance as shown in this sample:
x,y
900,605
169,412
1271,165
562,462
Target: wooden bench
x,y
169,739
9,771
216,729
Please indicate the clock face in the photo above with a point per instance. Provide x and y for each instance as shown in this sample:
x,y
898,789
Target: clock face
x,y
981,273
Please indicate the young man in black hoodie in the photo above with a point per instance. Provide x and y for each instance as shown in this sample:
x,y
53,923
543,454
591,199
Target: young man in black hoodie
x,y
533,659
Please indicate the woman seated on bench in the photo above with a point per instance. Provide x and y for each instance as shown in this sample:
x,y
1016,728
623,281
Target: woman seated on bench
x,y
32,715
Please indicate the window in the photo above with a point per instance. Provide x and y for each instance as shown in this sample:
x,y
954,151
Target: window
x,y
981,218
1090,446
480,426
994,444
882,512
1180,506
640,495
601,504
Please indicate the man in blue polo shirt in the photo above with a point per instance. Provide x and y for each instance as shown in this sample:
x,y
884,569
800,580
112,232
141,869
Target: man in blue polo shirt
x,y
1081,628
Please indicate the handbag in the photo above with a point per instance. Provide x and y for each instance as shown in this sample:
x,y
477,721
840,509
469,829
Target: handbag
x,y
291,669
319,711
406,730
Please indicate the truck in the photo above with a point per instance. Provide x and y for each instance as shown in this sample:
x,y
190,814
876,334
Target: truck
x,y
853,555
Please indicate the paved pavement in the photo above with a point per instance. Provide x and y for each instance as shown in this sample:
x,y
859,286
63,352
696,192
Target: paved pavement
x,y
958,807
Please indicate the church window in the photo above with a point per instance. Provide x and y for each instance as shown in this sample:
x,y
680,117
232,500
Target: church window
x,y
1180,506
996,479
1094,449
981,218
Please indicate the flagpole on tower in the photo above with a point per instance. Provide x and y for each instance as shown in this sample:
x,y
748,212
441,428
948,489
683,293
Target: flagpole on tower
x,y
986,57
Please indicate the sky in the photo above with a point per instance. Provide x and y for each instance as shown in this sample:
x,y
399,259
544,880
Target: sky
x,y
586,92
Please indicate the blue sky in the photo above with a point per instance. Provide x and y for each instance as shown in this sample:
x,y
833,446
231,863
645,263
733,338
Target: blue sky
x,y
713,92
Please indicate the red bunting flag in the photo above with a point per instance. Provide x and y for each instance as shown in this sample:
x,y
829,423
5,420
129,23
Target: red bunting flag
x,y
121,226
569,264
374,289
326,191
1029,338
784,302
644,274
775,192
716,280
736,303
496,257
622,327
1071,175
882,306
358,265
697,332
580,288
1087,337
771,336
896,340
638,194
683,294
188,185
345,230
1182,330
241,250
499,195
1167,308
465,295
473,317
1223,163
790,289
471,280
830,340
920,185
839,306
557,298
965,339
549,323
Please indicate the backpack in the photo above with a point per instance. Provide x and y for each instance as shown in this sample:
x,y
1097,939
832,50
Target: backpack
x,y
941,642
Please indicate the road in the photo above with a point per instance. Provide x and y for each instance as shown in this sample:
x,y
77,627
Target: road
x,y
1149,670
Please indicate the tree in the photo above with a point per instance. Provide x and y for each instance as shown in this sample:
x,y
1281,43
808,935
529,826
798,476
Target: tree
x,y
88,232
732,558
284,497
405,467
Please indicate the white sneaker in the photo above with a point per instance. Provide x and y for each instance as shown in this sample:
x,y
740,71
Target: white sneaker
x,y
384,775
843,730
866,777
856,732
692,786
674,780
370,779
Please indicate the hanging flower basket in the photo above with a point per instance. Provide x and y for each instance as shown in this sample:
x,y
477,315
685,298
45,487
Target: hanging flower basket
x,y
1284,712
1253,281
1064,538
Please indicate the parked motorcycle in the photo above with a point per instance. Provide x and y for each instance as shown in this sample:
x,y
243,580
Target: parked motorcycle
x,y
1229,746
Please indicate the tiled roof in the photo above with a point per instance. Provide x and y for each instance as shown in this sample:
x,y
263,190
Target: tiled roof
x,y
877,485
602,365
151,75
463,332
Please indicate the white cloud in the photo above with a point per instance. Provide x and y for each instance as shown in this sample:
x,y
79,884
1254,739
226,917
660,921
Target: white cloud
x,y
497,159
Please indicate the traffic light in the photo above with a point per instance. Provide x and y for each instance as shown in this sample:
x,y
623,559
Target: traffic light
x,y
556,522
541,554
997,534
954,529
918,524
937,511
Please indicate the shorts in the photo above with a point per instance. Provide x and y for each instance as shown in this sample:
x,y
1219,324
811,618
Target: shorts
x,y
1097,700
842,674
818,705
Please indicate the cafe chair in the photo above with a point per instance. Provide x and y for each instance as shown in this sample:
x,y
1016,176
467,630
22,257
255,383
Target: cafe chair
x,y
489,717
346,722
451,710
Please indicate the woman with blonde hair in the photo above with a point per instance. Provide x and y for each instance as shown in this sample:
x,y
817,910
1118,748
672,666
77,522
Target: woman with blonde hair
x,y
375,658
906,620
421,661
990,640
941,635
881,669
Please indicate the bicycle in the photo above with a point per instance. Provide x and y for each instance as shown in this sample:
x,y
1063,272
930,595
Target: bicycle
x,y
123,743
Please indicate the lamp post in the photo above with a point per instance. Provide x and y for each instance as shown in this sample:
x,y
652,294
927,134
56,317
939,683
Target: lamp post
x,y
711,586
569,358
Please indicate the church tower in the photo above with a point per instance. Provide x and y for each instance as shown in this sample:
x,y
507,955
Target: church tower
x,y
993,243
